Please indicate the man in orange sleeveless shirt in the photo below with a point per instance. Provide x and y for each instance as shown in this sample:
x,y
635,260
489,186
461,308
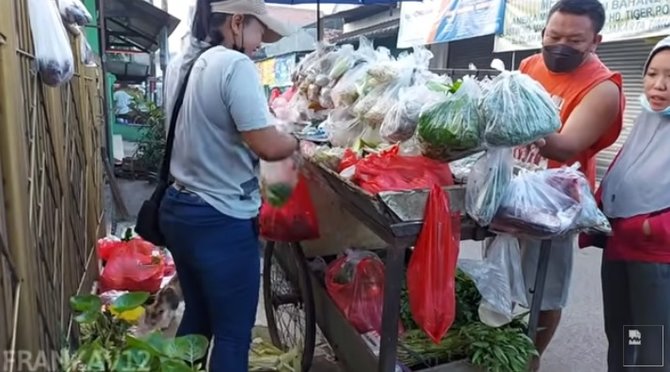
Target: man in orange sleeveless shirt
x,y
591,103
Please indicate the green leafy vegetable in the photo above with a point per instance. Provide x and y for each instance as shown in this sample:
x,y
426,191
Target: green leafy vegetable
x,y
453,125
518,111
278,194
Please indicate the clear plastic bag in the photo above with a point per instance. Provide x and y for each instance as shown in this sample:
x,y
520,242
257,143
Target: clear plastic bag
x,y
400,121
343,130
499,279
345,92
518,110
55,62
278,180
344,60
461,168
453,125
367,102
487,184
535,209
572,182
74,12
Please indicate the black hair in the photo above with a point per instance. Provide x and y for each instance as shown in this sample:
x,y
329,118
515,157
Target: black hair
x,y
200,26
591,8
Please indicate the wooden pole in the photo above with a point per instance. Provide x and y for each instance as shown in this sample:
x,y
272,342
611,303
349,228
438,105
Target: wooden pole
x,y
13,155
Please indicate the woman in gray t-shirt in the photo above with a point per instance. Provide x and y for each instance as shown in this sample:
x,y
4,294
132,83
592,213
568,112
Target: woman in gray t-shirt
x,y
209,215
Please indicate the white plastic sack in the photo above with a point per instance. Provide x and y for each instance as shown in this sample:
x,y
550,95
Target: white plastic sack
x,y
499,279
74,12
55,62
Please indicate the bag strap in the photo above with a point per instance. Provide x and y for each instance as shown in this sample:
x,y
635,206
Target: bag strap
x,y
164,174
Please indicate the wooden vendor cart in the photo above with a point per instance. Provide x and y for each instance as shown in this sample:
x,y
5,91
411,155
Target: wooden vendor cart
x,y
295,296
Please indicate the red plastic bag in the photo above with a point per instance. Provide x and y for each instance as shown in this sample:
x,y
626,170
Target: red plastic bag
x,y
431,274
112,246
356,283
390,171
135,245
107,246
169,268
294,221
348,159
132,271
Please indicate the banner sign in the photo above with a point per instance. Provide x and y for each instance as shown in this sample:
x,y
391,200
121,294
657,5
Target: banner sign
x,y
441,21
284,67
267,71
626,20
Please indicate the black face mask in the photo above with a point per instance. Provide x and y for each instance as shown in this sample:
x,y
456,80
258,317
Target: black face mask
x,y
562,58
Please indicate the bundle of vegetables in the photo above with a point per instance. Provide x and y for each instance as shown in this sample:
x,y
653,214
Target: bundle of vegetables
x,y
278,180
487,183
330,157
342,128
573,183
453,125
533,208
549,203
401,120
518,111
503,349
265,357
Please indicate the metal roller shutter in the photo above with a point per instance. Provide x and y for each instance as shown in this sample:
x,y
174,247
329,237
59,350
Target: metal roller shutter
x,y
627,57
477,50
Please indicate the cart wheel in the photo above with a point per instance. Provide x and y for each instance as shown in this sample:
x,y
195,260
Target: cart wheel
x,y
289,303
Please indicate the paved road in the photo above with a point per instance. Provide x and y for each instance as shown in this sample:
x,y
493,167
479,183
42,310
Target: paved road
x,y
579,345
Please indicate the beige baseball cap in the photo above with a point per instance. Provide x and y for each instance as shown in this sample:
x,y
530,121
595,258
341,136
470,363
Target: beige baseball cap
x,y
276,29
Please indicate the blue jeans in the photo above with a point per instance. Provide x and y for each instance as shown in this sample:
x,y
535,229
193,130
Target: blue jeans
x,y
218,263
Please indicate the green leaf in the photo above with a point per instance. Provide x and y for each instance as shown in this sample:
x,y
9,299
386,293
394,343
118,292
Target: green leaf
x,y
85,303
128,235
189,348
130,301
87,317
94,356
154,343
174,365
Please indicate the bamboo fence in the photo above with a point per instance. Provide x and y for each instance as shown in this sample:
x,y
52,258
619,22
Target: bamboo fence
x,y
51,194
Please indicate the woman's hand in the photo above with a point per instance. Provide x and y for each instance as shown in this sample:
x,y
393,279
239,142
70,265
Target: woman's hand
x,y
646,228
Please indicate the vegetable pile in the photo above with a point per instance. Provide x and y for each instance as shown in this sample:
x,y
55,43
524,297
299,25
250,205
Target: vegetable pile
x,y
518,111
503,349
453,125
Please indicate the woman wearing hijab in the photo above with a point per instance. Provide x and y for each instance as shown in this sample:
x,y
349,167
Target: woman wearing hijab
x,y
635,195
208,216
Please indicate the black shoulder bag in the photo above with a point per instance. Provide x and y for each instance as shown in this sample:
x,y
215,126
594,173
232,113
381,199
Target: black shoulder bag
x,y
147,225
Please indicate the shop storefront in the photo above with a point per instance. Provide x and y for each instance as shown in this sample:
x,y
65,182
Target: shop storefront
x,y
276,71
517,34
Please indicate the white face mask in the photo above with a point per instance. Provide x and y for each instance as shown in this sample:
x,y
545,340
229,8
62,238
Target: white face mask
x,y
644,102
